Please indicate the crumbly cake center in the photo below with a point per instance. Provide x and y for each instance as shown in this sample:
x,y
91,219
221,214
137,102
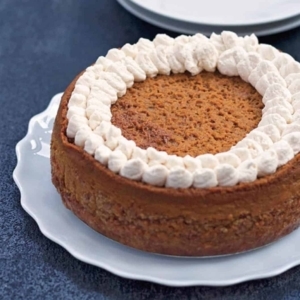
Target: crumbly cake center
x,y
183,114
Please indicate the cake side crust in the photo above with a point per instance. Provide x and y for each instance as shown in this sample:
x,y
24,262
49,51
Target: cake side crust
x,y
193,222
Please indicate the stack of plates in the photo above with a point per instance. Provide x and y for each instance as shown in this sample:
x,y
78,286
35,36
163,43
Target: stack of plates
x,y
261,17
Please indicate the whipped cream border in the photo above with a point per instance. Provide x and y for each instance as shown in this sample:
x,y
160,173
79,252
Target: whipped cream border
x,y
275,141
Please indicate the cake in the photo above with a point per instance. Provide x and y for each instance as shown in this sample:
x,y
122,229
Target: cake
x,y
185,146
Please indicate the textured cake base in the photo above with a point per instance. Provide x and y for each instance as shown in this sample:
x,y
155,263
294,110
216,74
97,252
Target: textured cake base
x,y
190,222
180,113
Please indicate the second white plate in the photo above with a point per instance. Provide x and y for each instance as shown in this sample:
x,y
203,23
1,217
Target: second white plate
x,y
192,28
223,12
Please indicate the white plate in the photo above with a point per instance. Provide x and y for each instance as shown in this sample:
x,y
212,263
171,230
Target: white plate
x,y
223,12
192,28
40,199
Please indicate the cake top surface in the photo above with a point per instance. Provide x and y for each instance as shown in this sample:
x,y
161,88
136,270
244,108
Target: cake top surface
x,y
271,144
180,113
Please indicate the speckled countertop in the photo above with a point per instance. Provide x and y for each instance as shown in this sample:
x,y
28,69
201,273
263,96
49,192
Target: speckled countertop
x,y
43,44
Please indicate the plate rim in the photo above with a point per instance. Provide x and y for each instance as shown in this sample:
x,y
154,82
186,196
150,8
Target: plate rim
x,y
179,17
190,28
105,265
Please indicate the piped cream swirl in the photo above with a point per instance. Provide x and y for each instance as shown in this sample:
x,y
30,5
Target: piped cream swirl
x,y
275,75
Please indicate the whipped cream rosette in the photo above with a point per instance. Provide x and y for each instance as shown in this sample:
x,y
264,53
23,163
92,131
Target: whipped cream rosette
x,y
275,141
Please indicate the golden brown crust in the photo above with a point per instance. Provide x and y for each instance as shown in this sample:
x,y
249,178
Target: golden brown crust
x,y
193,222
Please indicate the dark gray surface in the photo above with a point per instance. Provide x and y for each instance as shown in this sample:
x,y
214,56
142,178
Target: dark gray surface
x,y
43,45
